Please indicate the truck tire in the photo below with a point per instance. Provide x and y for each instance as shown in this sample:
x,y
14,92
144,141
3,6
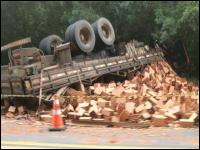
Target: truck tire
x,y
104,32
48,43
82,35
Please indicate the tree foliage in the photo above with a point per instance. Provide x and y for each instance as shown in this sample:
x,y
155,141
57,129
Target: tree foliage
x,y
179,28
175,24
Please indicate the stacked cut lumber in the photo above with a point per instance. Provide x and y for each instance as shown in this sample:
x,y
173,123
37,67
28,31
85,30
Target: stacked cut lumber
x,y
156,94
135,48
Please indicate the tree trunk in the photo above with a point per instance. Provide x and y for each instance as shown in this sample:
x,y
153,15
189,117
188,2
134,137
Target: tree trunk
x,y
186,53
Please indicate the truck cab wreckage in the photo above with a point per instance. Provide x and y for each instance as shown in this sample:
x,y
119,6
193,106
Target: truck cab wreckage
x,y
87,52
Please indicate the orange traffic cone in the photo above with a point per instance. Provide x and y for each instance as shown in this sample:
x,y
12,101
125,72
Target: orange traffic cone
x,y
57,121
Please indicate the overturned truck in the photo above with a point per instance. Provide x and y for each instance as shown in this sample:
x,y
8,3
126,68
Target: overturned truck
x,y
86,53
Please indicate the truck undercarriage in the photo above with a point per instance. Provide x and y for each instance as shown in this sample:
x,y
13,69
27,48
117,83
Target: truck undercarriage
x,y
57,64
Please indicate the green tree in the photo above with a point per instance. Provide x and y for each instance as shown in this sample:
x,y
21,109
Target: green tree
x,y
178,27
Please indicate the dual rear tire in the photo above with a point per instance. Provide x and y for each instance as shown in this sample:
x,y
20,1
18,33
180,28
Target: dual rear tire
x,y
104,32
48,43
86,37
82,35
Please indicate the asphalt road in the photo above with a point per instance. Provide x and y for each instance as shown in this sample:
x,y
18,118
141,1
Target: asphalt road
x,y
19,134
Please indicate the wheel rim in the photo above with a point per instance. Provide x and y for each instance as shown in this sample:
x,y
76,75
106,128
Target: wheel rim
x,y
105,30
85,36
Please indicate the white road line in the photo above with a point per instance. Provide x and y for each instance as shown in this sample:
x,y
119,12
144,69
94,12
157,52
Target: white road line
x,y
21,147
61,145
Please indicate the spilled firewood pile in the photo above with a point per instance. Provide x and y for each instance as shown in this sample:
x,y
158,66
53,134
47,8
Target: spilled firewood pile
x,y
156,94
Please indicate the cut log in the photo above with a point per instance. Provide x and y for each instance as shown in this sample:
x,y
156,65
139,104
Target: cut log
x,y
99,90
151,71
115,119
21,109
91,88
107,111
154,94
159,104
169,104
174,110
108,91
166,70
132,85
102,102
85,118
134,117
80,111
153,100
146,115
159,76
12,109
126,83
73,92
120,107
112,85
186,123
83,105
148,105
120,100
159,120
146,76
93,102
129,107
139,108
97,85
124,115
171,89
193,116
170,116
128,91
118,91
